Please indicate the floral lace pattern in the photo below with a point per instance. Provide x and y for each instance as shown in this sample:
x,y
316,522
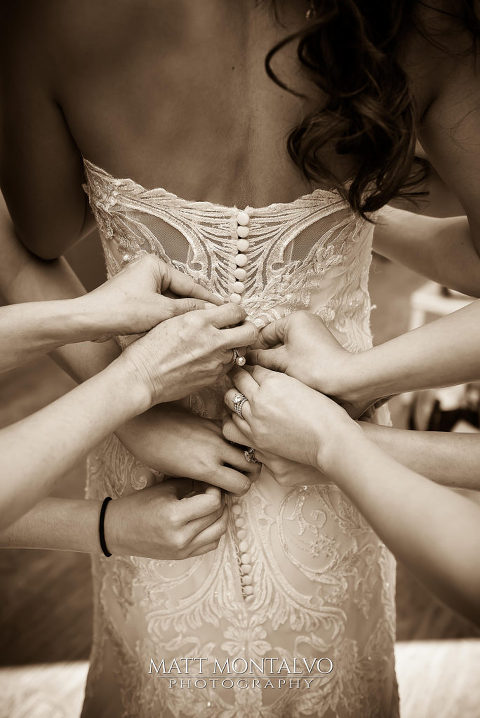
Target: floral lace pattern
x,y
323,583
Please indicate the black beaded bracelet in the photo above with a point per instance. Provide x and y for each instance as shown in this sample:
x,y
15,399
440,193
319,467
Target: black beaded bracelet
x,y
101,526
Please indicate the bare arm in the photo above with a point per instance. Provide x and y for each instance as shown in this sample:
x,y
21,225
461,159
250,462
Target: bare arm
x,y
451,459
38,450
441,249
442,353
26,278
160,522
433,530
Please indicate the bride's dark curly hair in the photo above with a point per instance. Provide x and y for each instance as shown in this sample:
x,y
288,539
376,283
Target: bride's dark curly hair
x,y
350,49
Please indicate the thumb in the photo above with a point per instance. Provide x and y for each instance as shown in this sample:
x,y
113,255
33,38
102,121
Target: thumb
x,y
275,359
273,333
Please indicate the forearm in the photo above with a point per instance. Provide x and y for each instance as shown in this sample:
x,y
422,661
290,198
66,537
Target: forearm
x,y
25,278
433,530
38,281
442,353
441,249
451,459
61,524
38,450
32,329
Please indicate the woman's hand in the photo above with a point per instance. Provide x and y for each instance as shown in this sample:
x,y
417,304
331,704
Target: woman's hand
x,y
186,353
178,443
166,522
141,296
284,471
301,346
287,418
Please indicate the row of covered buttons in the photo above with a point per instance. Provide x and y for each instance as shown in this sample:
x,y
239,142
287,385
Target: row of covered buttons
x,y
244,557
240,273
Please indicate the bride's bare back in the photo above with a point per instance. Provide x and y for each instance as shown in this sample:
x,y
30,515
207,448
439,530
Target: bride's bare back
x,y
171,93
174,94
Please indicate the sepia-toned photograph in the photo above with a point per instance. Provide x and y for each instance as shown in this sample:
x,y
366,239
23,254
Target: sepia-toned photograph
x,y
239,358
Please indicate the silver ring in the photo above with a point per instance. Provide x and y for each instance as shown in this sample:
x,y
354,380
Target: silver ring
x,y
238,359
250,456
238,401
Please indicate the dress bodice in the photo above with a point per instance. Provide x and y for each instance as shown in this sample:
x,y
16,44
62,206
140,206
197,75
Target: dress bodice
x,y
320,582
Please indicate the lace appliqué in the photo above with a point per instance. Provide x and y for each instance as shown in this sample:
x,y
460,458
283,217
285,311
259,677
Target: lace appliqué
x,y
322,582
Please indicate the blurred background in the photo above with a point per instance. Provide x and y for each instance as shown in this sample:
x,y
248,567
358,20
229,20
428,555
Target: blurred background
x,y
46,614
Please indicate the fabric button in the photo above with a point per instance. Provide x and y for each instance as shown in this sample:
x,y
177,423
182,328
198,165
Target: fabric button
x,y
246,580
235,298
243,231
243,245
246,568
241,260
243,218
236,510
248,590
239,287
242,534
245,558
242,546
239,522
249,599
240,273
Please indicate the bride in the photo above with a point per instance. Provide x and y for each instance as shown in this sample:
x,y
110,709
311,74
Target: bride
x,y
163,113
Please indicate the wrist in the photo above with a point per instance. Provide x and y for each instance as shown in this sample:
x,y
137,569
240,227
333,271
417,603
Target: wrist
x,y
127,384
115,528
342,439
93,321
357,389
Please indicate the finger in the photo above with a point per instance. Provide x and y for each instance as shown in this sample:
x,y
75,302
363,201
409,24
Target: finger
x,y
200,505
242,336
232,433
198,525
273,333
182,306
245,382
229,400
236,458
228,315
275,359
230,480
204,549
260,374
244,427
185,286
212,534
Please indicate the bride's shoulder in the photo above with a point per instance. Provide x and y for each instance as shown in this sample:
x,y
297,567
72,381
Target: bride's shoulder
x,y
438,53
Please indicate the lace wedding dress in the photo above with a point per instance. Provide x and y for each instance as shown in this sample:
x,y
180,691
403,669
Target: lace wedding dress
x,y
299,573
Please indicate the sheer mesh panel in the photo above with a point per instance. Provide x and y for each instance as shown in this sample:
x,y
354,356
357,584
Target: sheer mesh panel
x,y
301,245
175,245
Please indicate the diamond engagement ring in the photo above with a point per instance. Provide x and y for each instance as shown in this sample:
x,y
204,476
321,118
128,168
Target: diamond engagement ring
x,y
250,456
238,359
238,401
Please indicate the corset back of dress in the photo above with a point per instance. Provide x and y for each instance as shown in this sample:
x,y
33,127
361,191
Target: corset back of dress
x,y
320,582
